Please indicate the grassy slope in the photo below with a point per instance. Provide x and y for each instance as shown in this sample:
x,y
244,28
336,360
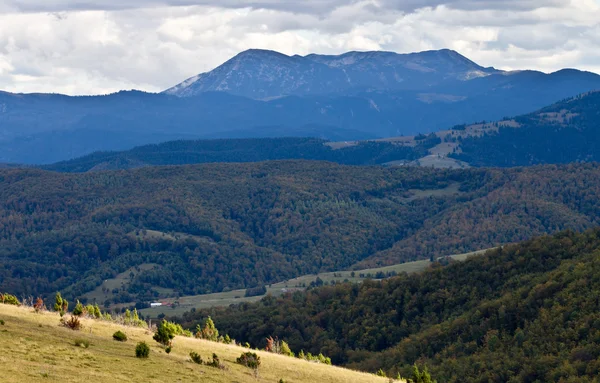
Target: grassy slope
x,y
34,348
186,303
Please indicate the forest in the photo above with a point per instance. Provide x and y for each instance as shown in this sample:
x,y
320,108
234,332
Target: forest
x,y
568,131
528,312
218,227
246,150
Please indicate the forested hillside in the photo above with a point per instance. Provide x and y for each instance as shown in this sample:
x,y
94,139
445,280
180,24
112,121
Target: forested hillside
x,y
245,150
524,313
567,131
213,227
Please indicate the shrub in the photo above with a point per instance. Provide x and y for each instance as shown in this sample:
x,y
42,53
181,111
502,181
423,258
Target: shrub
x,y
142,350
8,299
120,336
249,359
421,376
133,319
164,333
38,305
196,358
208,332
256,291
216,362
78,310
168,349
1,322
73,323
284,349
61,305
278,347
81,343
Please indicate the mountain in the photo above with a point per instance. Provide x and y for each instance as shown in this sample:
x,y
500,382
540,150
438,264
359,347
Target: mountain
x,y
266,94
262,74
213,227
244,150
567,131
41,129
527,312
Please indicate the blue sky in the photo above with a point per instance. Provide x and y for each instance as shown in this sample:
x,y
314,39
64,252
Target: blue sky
x,y
95,47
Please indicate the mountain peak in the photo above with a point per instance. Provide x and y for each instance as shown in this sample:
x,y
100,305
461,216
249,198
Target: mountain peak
x,y
264,74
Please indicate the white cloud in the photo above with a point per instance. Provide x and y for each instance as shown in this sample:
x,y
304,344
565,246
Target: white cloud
x,y
103,46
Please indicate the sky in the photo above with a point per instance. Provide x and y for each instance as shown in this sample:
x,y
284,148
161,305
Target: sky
x,y
102,46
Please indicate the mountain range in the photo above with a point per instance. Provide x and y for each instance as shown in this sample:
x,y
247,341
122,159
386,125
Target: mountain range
x,y
357,95
261,74
567,131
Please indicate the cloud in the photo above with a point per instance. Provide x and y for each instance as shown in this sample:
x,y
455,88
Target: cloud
x,y
81,47
296,6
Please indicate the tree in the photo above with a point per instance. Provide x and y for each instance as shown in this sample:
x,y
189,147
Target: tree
x,y
208,332
164,334
421,376
78,310
60,305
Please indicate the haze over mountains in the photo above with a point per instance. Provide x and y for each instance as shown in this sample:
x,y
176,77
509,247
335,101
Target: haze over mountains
x,y
564,132
267,94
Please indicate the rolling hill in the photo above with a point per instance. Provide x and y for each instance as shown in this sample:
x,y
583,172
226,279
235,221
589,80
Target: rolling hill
x,y
265,94
527,312
244,150
220,227
567,131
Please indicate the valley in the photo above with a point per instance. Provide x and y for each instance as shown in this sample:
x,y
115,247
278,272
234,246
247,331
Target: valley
x,y
178,306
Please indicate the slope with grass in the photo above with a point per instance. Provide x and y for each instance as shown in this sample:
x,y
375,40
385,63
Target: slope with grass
x,y
33,347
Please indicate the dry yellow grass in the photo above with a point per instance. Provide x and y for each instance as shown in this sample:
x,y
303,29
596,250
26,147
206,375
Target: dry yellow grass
x,y
33,347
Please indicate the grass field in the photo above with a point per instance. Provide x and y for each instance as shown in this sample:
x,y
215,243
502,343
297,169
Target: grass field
x,y
187,303
34,348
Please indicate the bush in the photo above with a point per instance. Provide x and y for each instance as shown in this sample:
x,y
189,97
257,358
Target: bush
x,y
168,349
249,359
120,336
196,358
81,343
38,305
73,323
78,310
165,333
8,299
421,376
216,362
256,291
1,322
133,319
60,305
285,349
208,332
142,350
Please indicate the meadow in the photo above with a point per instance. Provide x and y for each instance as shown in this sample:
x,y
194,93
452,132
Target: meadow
x,y
187,303
33,347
